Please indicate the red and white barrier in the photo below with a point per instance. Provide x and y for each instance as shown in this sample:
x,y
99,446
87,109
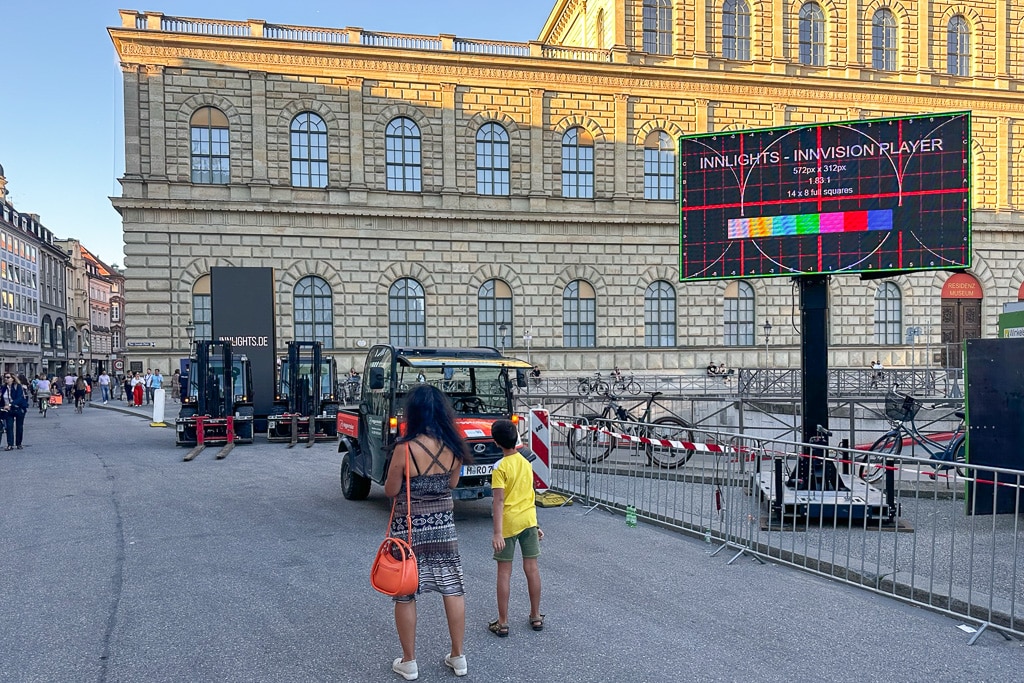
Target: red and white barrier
x,y
540,444
664,443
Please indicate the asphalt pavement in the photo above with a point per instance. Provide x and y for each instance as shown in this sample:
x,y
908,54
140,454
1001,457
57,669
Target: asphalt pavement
x,y
120,562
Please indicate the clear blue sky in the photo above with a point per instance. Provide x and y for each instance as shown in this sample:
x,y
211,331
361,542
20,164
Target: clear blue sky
x,y
61,127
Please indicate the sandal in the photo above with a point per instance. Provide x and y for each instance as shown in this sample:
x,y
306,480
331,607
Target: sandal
x,y
537,623
500,630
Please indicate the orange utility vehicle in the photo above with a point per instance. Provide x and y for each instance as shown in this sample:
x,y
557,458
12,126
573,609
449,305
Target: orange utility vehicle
x,y
480,384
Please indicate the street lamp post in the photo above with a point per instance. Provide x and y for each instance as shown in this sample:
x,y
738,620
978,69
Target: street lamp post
x,y
527,338
502,329
190,330
767,336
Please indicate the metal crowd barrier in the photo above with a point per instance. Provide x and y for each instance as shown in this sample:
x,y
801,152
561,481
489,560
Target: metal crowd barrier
x,y
918,541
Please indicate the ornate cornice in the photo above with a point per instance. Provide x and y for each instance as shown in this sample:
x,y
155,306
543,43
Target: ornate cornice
x,y
585,76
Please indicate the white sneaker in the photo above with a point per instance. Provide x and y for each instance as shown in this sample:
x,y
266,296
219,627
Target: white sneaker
x,y
458,664
406,670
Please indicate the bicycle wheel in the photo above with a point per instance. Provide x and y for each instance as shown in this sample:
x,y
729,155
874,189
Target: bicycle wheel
x,y
584,388
633,387
959,450
873,464
587,445
674,429
601,387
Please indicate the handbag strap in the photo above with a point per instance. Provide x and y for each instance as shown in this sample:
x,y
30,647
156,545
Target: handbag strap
x,y
408,501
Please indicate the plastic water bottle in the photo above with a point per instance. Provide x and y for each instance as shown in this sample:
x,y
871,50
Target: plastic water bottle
x,y
707,535
630,516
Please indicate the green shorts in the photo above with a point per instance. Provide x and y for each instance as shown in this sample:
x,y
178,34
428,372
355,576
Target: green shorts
x,y
529,542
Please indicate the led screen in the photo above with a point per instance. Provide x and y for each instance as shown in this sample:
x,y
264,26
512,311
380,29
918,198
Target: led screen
x,y
853,197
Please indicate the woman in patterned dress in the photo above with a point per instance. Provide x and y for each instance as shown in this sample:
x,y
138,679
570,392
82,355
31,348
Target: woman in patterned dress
x,y
436,454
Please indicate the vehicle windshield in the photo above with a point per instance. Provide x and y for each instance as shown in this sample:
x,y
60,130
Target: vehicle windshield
x,y
471,390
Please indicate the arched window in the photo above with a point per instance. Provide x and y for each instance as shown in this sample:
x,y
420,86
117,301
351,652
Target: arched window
x,y
812,35
211,158
888,314
407,313
314,311
72,340
202,309
59,339
402,147
883,40
658,27
735,29
599,29
958,47
494,314
659,166
579,315
46,334
309,150
577,164
660,314
739,314
492,160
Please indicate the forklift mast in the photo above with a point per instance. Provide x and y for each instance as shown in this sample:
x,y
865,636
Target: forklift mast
x,y
305,364
211,380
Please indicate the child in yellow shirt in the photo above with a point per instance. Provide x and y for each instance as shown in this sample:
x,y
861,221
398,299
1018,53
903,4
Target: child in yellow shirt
x,y
515,519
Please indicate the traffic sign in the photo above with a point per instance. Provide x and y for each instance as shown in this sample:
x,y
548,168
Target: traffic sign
x,y
119,365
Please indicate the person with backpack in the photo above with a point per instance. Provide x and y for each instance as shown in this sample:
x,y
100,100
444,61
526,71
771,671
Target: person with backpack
x,y
13,406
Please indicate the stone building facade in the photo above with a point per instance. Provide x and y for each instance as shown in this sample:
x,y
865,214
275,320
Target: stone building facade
x,y
442,190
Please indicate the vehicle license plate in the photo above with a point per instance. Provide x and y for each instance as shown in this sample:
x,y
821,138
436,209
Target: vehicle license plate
x,y
476,470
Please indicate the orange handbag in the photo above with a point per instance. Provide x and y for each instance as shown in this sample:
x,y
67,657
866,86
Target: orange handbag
x,y
394,571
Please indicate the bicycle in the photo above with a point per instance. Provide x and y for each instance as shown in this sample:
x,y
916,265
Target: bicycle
x,y
595,445
589,385
901,409
628,384
79,404
44,402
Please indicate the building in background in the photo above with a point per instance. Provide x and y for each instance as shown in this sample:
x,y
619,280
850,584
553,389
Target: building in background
x,y
117,347
20,350
89,308
53,267
432,190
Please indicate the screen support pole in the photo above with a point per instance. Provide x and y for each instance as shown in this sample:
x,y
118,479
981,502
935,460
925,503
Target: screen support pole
x,y
813,372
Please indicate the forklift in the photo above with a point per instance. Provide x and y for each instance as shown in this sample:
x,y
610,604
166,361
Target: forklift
x,y
306,401
218,408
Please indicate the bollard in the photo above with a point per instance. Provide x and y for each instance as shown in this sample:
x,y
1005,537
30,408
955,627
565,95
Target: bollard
x,y
540,444
159,399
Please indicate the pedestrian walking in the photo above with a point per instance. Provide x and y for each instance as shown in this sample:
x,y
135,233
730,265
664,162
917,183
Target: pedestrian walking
x,y
156,382
514,510
138,389
13,405
176,385
104,380
436,453
127,385
147,381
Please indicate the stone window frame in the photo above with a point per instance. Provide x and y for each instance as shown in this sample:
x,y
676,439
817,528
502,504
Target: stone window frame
x,y
306,138
577,163
656,20
407,313
660,315
811,34
888,317
492,176
404,172
659,166
60,340
495,308
46,332
736,37
202,308
312,295
739,308
958,46
216,147
579,315
884,41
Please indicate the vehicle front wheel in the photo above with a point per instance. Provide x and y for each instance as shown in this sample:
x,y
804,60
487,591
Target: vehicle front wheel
x,y
353,486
